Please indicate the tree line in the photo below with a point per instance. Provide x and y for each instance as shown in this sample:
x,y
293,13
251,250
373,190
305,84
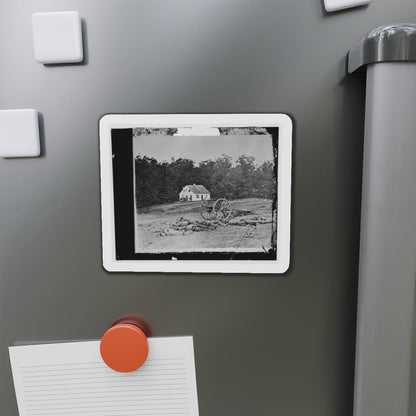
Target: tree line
x,y
161,182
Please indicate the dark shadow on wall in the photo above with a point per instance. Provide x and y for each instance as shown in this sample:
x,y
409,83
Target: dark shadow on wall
x,y
349,155
42,141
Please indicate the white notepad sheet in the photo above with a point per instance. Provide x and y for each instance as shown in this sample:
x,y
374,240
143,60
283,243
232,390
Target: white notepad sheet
x,y
69,379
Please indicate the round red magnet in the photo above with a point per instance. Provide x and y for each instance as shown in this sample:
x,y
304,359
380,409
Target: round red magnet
x,y
124,347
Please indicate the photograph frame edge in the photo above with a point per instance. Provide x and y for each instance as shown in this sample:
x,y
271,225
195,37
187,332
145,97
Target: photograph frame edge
x,y
125,121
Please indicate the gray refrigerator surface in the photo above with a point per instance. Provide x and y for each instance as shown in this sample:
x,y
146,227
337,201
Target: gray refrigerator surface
x,y
263,345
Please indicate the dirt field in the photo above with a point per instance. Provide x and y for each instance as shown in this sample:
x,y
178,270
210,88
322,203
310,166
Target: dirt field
x,y
179,227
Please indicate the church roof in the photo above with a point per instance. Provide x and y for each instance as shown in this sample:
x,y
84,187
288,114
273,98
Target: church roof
x,y
197,189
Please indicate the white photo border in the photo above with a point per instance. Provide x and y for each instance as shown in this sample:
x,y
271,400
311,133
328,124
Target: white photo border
x,y
284,181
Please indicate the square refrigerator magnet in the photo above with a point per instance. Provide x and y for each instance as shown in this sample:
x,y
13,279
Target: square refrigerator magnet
x,y
196,193
335,5
19,133
57,37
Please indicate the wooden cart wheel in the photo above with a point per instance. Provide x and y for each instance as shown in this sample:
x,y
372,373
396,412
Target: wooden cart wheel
x,y
222,209
207,210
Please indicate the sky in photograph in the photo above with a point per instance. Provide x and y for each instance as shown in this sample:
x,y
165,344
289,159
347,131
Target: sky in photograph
x,y
199,148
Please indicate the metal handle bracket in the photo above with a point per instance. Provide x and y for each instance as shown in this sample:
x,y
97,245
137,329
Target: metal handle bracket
x,y
386,43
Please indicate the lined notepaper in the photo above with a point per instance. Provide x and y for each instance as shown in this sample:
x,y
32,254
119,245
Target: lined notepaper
x,y
71,379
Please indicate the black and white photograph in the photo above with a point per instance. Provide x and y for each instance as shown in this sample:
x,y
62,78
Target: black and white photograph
x,y
205,190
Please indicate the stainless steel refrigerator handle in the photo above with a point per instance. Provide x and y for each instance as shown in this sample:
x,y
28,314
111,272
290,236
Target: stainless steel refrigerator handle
x,y
384,44
387,269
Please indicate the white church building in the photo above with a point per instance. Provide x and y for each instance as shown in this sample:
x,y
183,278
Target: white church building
x,y
194,193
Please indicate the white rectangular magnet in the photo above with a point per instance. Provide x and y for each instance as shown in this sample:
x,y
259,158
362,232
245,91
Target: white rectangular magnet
x,y
335,5
19,133
57,37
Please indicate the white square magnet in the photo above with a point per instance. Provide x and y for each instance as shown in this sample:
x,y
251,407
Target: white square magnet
x,y
19,133
335,5
57,37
